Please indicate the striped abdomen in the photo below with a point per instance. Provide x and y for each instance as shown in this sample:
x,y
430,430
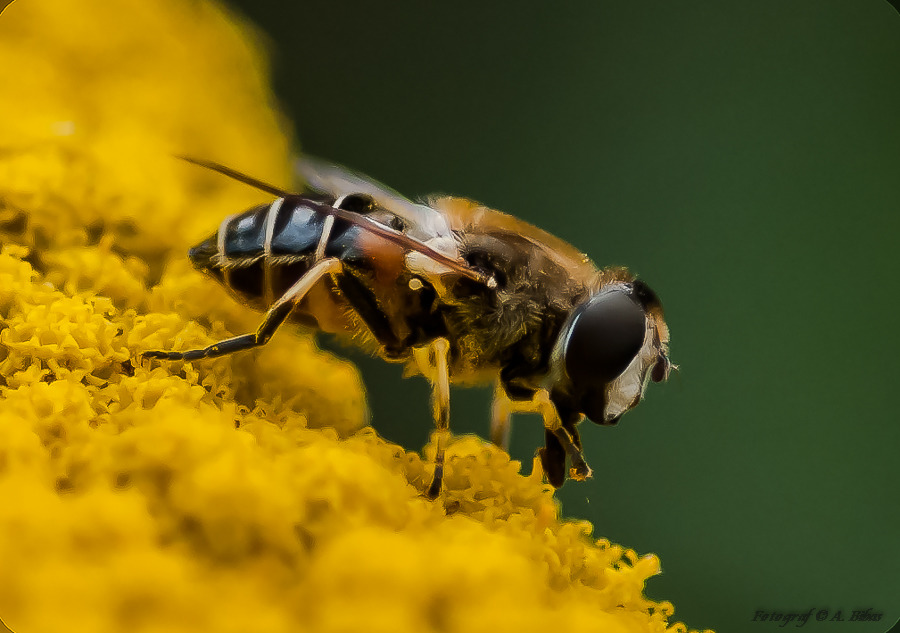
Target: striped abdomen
x,y
260,253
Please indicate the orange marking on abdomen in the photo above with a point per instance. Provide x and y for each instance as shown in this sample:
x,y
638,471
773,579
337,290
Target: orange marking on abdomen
x,y
389,257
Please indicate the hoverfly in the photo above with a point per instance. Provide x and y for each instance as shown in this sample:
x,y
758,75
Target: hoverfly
x,y
457,291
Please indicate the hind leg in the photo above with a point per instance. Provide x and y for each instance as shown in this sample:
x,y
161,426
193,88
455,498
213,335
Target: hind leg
x,y
272,320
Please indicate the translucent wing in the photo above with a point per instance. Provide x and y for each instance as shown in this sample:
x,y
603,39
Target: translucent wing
x,y
423,222
431,249
471,218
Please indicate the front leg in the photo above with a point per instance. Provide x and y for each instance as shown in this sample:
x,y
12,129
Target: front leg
x,y
562,438
565,433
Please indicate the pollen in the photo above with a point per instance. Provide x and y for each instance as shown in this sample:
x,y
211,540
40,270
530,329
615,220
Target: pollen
x,y
240,493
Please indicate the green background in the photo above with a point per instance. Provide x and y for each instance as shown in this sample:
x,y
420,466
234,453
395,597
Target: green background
x,y
744,159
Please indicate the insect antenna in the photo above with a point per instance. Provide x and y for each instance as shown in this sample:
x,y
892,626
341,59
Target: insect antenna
x,y
388,233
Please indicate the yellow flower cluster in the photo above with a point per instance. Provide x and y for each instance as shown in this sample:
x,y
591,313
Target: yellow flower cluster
x,y
239,494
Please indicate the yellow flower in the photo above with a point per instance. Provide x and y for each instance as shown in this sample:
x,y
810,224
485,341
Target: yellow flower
x,y
237,494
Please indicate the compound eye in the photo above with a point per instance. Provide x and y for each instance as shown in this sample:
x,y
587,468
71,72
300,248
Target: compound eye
x,y
605,338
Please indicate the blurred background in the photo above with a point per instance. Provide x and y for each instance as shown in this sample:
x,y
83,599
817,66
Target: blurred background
x,y
743,159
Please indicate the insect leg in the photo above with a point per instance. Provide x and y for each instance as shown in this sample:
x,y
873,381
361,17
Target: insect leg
x,y
273,318
553,460
580,469
569,441
440,397
501,410
366,306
